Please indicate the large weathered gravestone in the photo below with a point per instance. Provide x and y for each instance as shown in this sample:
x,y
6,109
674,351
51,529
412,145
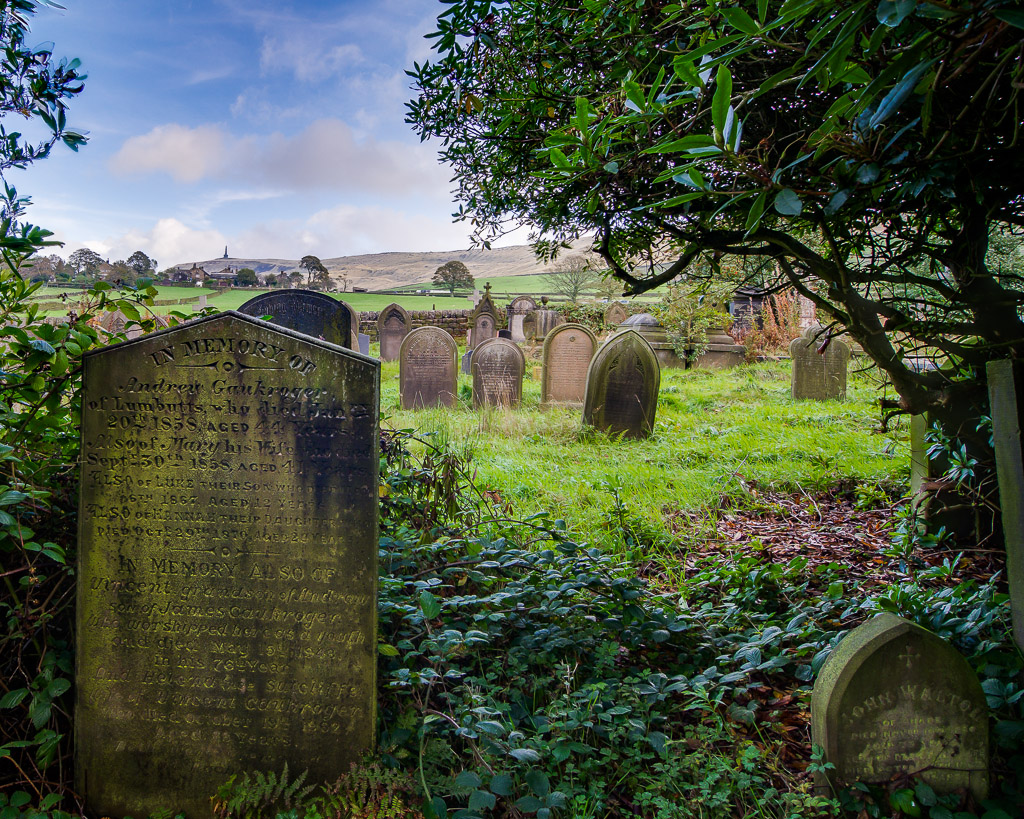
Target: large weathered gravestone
x,y
1006,399
566,357
656,335
820,376
622,386
427,373
393,325
538,323
227,566
894,699
498,367
305,311
517,310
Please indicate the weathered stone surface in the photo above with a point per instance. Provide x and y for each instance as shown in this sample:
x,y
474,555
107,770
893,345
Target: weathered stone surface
x,y
498,367
427,372
657,336
566,357
308,312
364,344
819,376
393,325
227,562
894,699
615,314
483,321
467,357
517,310
1006,399
353,323
538,323
622,386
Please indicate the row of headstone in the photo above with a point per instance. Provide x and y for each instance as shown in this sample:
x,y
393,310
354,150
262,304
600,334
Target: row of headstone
x,y
617,387
226,584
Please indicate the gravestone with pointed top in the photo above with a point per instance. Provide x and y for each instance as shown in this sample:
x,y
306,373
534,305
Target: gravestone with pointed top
x,y
393,325
894,699
305,311
817,375
227,574
498,366
622,386
427,372
615,314
483,321
565,359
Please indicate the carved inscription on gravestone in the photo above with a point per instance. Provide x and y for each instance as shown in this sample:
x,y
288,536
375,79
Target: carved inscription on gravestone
x,y
498,367
894,699
820,376
227,562
622,386
308,312
427,373
568,350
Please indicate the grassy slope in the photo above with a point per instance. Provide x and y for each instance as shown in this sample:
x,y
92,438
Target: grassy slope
x,y
716,434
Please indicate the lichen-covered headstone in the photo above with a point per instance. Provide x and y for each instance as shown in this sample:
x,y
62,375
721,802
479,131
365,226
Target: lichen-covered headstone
x,y
427,372
622,386
393,325
615,314
538,323
227,562
819,375
566,357
1006,399
498,366
305,311
894,699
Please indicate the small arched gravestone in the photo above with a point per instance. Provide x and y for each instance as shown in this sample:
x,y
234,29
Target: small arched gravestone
x,y
568,350
393,325
498,367
427,369
615,313
305,311
819,376
622,386
893,699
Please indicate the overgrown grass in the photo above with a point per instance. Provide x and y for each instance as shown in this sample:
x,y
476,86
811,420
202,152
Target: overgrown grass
x,y
717,434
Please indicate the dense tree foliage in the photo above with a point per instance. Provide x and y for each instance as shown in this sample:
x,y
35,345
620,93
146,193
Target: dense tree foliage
x,y
246,277
864,151
316,274
85,262
141,263
452,275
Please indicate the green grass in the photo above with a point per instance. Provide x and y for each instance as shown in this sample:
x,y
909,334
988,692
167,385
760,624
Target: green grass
x,y
717,434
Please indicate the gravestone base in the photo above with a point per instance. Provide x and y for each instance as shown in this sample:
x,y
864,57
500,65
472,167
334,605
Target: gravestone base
x,y
721,357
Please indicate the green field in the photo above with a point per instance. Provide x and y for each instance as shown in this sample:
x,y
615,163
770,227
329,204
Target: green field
x,y
717,434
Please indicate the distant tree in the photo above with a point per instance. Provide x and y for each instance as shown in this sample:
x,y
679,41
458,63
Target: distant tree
x,y
295,277
85,262
271,280
572,275
246,277
316,273
453,274
122,272
141,263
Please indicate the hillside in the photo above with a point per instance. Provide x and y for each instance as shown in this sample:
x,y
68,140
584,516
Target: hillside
x,y
383,271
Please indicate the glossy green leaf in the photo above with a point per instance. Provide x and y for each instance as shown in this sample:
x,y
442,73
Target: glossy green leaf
x,y
788,203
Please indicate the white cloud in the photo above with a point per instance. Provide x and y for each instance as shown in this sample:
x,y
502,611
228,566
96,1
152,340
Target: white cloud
x,y
169,241
326,155
307,56
187,154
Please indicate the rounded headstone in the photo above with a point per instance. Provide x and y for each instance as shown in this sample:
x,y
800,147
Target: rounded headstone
x,y
819,375
568,350
305,311
893,699
498,367
622,386
427,369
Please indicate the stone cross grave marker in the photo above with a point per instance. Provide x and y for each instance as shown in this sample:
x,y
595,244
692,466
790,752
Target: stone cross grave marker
x,y
819,376
517,310
227,566
498,367
393,325
427,373
566,357
893,699
622,386
305,311
615,314
1006,399
483,321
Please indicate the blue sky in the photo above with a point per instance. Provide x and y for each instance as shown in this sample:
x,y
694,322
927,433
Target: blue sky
x,y
274,128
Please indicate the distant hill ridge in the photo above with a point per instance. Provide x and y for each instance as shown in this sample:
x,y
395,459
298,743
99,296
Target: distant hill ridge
x,y
383,271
